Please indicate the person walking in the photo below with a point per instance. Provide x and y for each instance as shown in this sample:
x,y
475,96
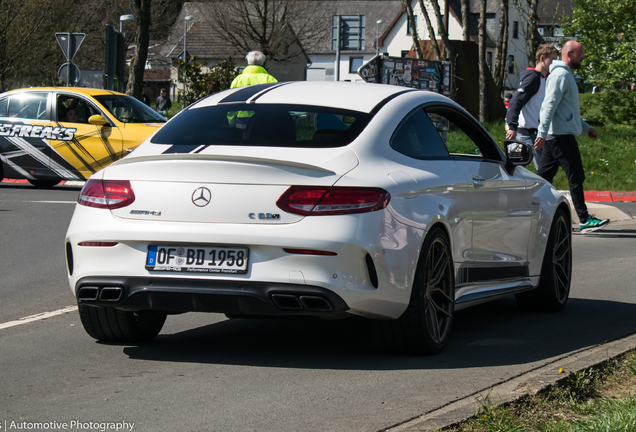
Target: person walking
x,y
522,116
163,103
560,121
254,73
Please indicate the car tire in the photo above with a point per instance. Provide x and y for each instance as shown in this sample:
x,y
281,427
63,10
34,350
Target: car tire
x,y
556,270
44,184
108,324
425,325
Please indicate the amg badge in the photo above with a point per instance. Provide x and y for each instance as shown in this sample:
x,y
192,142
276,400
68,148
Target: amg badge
x,y
145,212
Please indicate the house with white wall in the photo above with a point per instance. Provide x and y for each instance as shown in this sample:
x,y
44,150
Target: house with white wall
x,y
364,28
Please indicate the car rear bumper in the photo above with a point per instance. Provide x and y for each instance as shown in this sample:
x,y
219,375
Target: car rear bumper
x,y
175,295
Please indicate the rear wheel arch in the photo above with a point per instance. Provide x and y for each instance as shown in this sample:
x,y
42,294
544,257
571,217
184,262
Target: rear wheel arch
x,y
425,325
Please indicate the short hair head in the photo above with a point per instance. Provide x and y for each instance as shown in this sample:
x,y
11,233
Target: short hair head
x,y
256,58
545,50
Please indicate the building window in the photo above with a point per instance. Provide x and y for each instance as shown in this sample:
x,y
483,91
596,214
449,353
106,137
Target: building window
x,y
404,53
515,29
541,30
558,31
355,63
511,64
489,59
352,32
409,31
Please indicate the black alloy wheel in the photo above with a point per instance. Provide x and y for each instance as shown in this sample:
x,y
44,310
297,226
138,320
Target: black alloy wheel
x,y
561,268
425,326
553,291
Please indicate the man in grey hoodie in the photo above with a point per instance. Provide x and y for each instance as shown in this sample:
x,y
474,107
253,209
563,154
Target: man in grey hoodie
x,y
560,122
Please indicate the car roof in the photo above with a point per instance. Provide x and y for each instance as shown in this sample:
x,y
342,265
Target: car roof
x,y
77,90
361,97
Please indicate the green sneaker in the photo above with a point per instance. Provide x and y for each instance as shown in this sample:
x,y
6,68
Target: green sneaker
x,y
593,224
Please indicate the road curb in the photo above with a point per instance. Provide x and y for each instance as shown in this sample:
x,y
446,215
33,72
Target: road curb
x,y
529,383
601,211
610,196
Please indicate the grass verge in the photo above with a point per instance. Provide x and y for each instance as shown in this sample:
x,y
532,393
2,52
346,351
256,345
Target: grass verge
x,y
609,161
601,398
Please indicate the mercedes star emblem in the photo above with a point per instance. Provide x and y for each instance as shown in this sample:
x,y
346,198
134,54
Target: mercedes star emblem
x,y
201,197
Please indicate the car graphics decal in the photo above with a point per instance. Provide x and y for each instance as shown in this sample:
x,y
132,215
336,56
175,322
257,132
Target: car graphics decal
x,y
31,151
36,131
86,160
27,148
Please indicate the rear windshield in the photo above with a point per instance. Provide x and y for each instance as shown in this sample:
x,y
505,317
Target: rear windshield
x,y
263,125
127,109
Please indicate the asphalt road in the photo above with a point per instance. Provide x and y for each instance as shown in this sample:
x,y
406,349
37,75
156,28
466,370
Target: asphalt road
x,y
207,373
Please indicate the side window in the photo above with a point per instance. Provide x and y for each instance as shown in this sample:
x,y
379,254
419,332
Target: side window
x,y
73,110
416,137
4,103
30,106
463,136
456,141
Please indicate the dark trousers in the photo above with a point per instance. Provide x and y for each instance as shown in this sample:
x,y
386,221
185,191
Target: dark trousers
x,y
563,151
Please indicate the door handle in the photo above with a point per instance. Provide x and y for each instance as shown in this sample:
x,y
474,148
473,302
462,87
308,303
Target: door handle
x,y
478,181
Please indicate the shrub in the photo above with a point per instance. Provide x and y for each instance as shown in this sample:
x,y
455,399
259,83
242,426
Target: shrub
x,y
615,107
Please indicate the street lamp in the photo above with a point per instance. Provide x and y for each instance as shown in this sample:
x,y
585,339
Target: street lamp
x,y
123,18
185,55
377,39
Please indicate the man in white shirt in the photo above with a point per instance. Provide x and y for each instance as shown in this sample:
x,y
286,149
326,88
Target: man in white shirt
x,y
522,117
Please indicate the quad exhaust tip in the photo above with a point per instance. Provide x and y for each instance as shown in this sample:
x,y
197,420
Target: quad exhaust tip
x,y
293,302
93,293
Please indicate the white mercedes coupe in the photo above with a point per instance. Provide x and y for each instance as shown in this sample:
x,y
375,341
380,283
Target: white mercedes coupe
x,y
322,199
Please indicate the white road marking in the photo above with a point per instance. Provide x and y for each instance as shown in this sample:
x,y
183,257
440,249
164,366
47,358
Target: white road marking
x,y
38,317
53,202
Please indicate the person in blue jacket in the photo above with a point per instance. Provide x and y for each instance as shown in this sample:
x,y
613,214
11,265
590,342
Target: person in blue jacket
x,y
560,120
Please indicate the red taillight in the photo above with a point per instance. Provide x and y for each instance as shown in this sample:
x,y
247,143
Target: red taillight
x,y
322,201
106,194
97,244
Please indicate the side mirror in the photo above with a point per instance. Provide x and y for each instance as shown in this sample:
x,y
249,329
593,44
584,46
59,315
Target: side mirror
x,y
97,120
517,154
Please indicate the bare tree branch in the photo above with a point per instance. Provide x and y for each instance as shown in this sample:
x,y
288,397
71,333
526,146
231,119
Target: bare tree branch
x,y
431,32
410,16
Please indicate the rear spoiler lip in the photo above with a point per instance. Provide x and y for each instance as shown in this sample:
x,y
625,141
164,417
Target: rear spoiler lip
x,y
222,158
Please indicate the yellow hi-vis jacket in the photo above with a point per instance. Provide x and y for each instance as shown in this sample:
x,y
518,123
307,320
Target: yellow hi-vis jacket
x,y
253,74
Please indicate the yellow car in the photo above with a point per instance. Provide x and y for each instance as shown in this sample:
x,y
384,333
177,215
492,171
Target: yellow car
x,y
52,134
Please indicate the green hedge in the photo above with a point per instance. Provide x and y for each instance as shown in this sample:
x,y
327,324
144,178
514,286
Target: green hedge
x,y
616,107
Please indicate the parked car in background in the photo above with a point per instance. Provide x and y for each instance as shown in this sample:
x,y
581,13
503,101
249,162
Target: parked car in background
x,y
317,199
52,134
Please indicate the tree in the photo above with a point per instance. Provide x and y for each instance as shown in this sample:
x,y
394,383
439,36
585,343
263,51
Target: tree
x,y
483,67
533,35
273,27
465,31
499,71
431,31
26,38
443,31
410,16
141,11
607,31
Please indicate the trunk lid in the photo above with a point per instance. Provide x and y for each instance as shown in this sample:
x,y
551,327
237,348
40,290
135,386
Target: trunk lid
x,y
225,184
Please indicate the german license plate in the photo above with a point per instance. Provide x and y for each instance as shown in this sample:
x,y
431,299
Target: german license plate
x,y
201,259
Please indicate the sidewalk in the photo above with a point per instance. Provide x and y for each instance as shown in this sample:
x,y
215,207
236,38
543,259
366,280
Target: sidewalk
x,y
615,206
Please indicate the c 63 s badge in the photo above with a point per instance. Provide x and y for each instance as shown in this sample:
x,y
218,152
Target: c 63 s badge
x,y
272,216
